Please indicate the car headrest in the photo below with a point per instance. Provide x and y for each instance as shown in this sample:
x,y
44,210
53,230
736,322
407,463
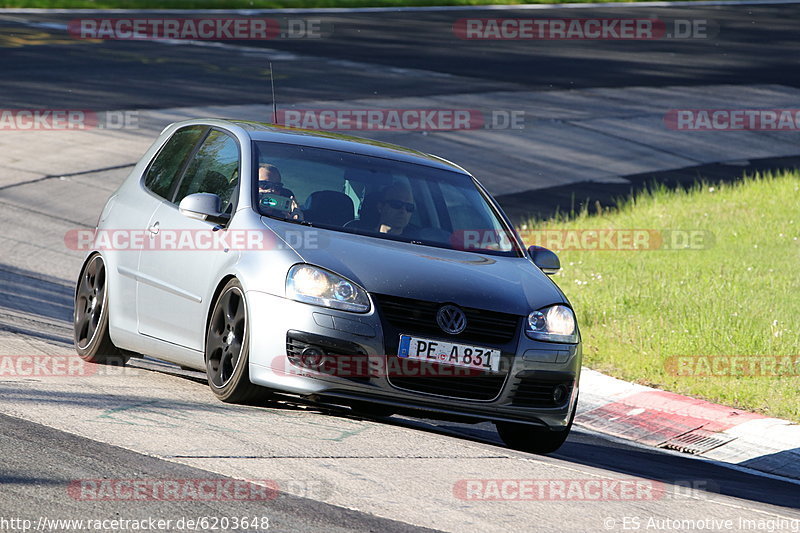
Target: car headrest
x,y
328,207
368,210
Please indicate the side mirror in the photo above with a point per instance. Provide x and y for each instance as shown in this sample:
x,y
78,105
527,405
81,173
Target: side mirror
x,y
545,259
203,206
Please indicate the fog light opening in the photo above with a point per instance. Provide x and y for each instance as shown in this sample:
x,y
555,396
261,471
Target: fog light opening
x,y
312,357
559,394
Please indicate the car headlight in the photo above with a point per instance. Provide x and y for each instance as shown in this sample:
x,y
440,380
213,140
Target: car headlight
x,y
309,284
554,324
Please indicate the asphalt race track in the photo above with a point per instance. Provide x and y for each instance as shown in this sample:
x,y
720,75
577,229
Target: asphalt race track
x,y
334,471
745,45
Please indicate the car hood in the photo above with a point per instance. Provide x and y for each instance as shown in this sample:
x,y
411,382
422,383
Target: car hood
x,y
504,284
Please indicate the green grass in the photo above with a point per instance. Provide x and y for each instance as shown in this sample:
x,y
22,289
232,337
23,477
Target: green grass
x,y
740,296
261,4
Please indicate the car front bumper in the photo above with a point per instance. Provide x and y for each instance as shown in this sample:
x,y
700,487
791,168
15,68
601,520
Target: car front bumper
x,y
530,366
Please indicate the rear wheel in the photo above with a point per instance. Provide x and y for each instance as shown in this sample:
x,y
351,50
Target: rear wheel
x,y
227,348
90,318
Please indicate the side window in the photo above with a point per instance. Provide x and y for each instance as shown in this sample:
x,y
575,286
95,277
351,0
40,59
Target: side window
x,y
167,164
214,168
468,213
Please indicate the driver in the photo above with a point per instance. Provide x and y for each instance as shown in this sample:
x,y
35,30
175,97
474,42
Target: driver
x,y
270,183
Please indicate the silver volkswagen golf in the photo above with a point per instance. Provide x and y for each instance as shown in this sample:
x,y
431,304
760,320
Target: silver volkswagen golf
x,y
344,270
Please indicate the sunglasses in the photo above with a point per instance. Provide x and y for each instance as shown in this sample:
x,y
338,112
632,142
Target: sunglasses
x,y
399,204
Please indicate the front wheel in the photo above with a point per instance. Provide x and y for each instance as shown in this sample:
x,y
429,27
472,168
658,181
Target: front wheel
x,y
90,318
526,438
227,348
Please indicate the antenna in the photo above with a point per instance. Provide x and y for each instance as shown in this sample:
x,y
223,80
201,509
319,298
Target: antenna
x,y
274,103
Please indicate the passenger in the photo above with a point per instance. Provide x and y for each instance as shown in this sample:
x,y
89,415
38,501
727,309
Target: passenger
x,y
395,209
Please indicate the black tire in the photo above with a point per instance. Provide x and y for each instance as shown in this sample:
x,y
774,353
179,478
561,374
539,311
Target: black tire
x,y
227,348
526,438
90,316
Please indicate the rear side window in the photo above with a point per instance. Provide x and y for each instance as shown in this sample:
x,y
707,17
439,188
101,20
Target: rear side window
x,y
214,169
166,167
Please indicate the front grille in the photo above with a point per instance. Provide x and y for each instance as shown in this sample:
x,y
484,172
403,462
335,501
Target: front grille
x,y
419,317
538,392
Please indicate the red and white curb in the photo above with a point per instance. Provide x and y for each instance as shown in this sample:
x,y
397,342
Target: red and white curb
x,y
668,420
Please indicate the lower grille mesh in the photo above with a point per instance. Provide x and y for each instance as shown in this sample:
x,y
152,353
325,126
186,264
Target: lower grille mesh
x,y
482,387
535,392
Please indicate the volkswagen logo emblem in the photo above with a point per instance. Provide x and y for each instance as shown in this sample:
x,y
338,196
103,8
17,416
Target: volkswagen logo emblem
x,y
451,319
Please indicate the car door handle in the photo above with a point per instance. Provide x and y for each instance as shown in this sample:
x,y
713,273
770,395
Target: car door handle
x,y
153,229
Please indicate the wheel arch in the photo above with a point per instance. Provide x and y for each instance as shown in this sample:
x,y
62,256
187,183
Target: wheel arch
x,y
217,290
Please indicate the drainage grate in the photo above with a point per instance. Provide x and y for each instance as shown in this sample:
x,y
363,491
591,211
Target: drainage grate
x,y
697,441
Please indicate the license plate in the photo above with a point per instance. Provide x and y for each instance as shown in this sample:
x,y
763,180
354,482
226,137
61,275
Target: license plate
x,y
449,353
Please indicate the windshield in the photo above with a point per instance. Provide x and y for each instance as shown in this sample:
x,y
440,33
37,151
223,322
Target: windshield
x,y
378,197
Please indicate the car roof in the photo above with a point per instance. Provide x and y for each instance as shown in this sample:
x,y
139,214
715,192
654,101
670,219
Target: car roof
x,y
262,131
